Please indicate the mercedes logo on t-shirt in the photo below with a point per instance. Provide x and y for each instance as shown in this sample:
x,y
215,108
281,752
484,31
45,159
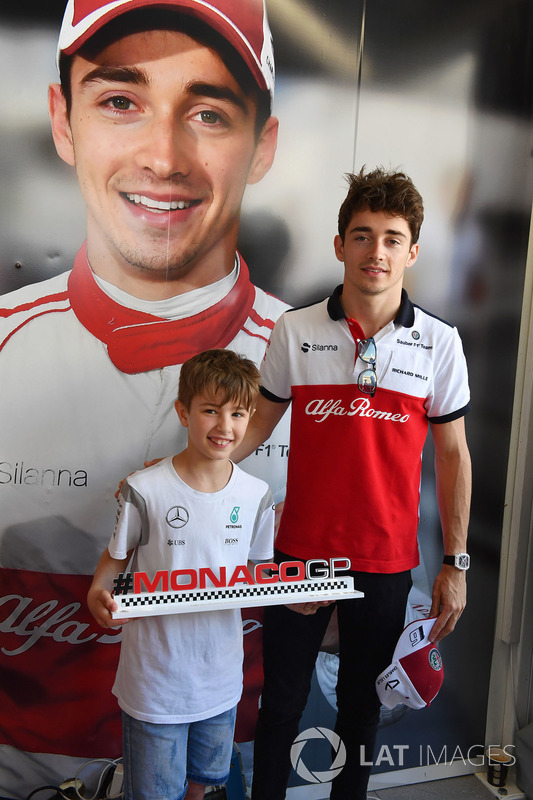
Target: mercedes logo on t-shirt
x,y
177,517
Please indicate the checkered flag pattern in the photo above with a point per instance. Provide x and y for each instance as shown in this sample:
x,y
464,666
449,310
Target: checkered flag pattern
x,y
147,604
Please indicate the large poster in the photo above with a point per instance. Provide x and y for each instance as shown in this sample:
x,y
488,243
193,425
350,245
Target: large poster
x,y
356,83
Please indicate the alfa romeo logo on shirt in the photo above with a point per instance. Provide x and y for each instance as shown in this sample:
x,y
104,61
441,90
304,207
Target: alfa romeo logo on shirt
x,y
177,517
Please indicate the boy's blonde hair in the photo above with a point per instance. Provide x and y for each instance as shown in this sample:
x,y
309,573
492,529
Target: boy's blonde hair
x,y
216,371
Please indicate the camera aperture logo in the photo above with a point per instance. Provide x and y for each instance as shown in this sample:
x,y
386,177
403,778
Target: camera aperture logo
x,y
336,745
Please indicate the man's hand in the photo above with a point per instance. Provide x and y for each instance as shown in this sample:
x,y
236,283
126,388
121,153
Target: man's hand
x,y
308,608
448,601
146,464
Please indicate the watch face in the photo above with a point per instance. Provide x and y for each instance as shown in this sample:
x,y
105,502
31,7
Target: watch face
x,y
462,560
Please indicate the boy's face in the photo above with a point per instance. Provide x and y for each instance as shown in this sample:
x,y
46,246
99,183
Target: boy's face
x,y
215,428
164,143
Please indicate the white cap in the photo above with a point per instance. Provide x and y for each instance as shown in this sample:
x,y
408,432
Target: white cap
x,y
416,673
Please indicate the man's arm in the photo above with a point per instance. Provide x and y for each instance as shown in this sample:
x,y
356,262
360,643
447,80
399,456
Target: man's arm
x,y
265,418
454,485
263,421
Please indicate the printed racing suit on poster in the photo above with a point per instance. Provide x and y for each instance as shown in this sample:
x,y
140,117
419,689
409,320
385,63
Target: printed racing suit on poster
x,y
88,390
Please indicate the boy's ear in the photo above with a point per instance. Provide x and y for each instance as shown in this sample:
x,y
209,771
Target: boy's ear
x,y
182,413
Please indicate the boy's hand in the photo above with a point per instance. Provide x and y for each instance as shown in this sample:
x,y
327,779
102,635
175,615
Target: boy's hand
x,y
101,604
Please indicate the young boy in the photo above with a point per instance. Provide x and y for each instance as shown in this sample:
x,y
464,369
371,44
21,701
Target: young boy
x,y
180,676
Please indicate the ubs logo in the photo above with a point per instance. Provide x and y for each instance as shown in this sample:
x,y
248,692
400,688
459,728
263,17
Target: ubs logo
x,y
177,517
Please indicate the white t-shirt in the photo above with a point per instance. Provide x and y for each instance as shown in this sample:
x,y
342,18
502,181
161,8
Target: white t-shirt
x,y
186,667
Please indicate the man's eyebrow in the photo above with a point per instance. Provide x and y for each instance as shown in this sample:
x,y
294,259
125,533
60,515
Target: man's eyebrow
x,y
216,92
113,74
368,229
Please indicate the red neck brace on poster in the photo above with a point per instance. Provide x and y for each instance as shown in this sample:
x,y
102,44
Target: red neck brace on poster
x,y
138,342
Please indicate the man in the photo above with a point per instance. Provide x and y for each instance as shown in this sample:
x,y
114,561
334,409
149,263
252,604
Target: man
x,y
164,111
364,372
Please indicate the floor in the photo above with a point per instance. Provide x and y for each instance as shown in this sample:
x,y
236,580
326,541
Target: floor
x,y
464,788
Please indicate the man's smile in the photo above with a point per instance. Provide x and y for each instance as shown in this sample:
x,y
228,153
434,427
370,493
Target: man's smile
x,y
160,205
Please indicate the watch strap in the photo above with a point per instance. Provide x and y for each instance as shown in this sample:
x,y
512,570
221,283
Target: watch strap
x,y
459,560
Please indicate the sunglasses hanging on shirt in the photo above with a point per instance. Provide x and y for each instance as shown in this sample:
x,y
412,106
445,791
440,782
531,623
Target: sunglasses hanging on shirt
x,y
367,380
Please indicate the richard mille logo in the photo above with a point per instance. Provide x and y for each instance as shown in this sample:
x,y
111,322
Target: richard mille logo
x,y
177,517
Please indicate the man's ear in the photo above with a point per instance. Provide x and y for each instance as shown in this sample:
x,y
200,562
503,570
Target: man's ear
x,y
182,413
265,151
413,255
57,108
338,244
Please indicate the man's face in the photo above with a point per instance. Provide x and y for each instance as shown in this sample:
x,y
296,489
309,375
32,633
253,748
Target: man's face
x,y
162,137
376,252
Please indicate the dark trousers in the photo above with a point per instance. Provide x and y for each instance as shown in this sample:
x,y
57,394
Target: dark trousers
x,y
369,628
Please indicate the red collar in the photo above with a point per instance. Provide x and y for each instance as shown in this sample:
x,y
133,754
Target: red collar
x,y
138,342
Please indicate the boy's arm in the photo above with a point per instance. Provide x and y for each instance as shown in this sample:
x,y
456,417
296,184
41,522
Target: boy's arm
x,y
99,597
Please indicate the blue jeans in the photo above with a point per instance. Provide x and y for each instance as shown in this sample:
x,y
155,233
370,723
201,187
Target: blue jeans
x,y
369,628
160,759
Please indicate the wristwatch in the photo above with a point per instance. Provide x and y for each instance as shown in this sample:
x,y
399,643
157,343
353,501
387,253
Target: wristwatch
x,y
459,560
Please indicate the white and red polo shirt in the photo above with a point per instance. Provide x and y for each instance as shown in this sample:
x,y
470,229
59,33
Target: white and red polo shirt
x,y
354,464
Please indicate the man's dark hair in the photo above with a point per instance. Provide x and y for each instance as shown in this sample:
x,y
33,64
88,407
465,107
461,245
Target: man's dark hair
x,y
147,19
391,192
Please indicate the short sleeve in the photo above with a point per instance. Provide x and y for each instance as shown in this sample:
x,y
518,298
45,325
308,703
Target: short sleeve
x,y
262,542
275,372
128,531
451,394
